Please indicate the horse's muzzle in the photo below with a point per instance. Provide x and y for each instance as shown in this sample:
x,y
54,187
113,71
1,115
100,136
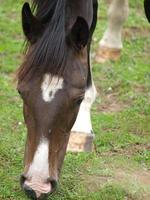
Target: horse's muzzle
x,y
38,191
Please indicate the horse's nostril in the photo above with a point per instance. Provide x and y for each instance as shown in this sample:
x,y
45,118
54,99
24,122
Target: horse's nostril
x,y
29,192
53,183
22,180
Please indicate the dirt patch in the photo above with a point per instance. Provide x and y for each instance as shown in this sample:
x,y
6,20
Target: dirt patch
x,y
139,176
136,183
134,32
94,182
128,151
143,177
111,104
141,89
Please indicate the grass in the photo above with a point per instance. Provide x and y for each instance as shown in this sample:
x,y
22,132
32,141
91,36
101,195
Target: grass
x,y
119,168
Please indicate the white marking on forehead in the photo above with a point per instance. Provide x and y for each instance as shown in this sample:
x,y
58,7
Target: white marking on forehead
x,y
40,165
50,86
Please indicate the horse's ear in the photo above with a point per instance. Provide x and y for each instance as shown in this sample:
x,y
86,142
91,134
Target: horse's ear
x,y
147,9
79,34
32,27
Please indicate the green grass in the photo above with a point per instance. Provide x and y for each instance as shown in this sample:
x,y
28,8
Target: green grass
x,y
119,167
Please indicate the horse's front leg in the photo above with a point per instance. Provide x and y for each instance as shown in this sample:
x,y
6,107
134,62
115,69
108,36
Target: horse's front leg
x,y
81,138
111,43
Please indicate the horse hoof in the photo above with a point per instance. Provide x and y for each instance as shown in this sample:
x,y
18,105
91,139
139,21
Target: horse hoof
x,y
80,142
105,54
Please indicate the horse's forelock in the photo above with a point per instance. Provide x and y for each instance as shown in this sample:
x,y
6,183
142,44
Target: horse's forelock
x,y
48,54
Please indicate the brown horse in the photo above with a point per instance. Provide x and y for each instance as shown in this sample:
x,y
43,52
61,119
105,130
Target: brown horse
x,y
52,82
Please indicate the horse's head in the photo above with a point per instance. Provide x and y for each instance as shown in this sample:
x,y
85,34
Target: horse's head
x,y
51,100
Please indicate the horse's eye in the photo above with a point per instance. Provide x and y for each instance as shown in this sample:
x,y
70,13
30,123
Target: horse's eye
x,y
23,92
20,93
79,101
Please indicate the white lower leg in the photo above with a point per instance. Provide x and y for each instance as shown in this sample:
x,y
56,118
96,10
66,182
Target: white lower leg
x,y
83,122
117,14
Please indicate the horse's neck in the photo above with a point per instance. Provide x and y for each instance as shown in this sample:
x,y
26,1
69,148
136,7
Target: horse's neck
x,y
81,8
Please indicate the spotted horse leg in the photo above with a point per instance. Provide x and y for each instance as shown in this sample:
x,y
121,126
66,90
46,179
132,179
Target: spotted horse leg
x,y
110,45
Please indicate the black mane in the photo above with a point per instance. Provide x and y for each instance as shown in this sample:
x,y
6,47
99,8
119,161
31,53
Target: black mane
x,y
44,10
49,53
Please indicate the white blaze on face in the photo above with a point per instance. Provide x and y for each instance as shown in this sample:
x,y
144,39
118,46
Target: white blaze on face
x,y
38,172
39,168
50,86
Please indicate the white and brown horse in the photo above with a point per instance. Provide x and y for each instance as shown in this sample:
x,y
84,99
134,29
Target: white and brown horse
x,y
56,85
52,82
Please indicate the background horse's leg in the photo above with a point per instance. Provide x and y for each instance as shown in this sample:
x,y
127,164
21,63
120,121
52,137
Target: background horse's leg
x,y
81,138
111,44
